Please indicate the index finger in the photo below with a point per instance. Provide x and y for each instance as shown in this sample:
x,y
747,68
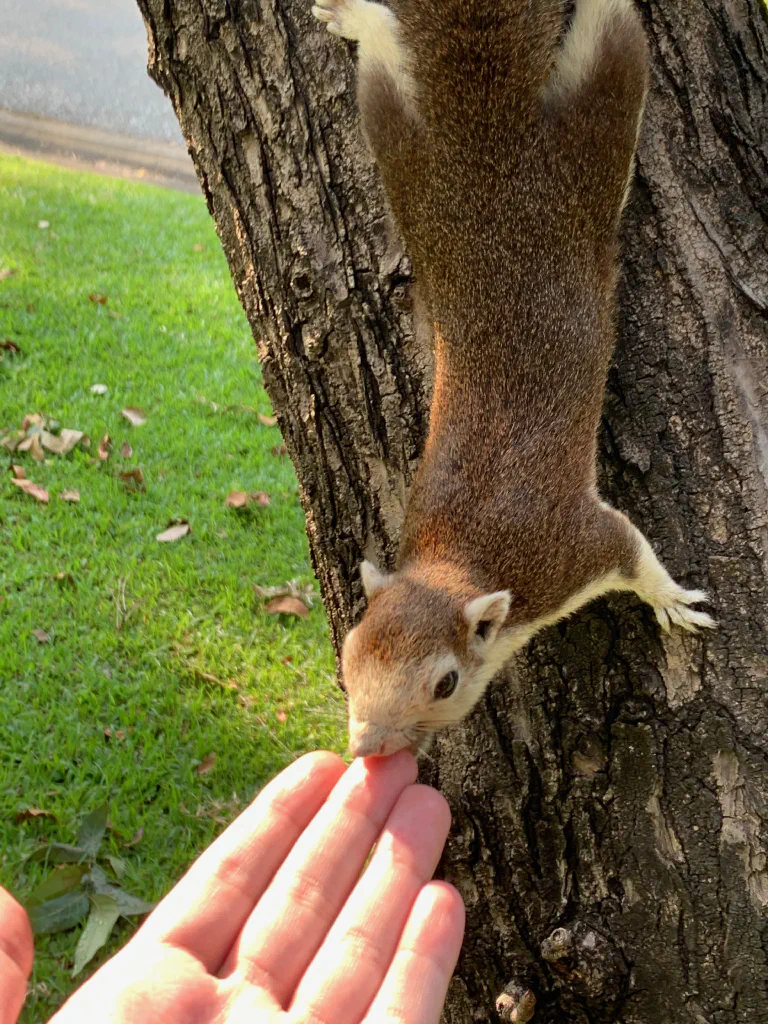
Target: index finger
x,y
205,912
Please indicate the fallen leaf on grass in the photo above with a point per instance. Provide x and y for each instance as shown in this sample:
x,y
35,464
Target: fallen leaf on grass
x,y
34,448
198,247
99,389
268,421
33,490
281,716
293,588
287,606
104,448
41,636
206,764
136,417
237,499
100,300
280,449
43,224
119,734
125,450
64,443
261,498
32,419
10,346
133,479
7,272
65,577
174,533
32,812
18,473
73,496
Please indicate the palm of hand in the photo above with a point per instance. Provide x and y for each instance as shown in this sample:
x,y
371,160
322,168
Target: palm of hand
x,y
276,920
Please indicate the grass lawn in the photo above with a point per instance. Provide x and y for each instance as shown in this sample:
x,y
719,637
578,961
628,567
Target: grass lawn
x,y
120,703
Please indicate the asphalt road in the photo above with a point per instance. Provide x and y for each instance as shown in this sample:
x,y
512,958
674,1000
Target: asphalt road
x,y
83,62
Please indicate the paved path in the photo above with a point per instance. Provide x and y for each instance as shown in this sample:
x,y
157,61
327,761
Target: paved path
x,y
82,62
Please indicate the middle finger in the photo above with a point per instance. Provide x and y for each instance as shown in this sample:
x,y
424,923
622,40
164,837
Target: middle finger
x,y
292,917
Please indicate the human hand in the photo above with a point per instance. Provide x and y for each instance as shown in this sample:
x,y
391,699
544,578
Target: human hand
x,y
275,923
16,951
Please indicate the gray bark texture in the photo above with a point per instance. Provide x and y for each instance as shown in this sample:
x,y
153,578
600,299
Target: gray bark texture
x,y
610,796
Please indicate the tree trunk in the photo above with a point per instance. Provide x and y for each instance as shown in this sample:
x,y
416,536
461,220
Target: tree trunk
x,y
611,795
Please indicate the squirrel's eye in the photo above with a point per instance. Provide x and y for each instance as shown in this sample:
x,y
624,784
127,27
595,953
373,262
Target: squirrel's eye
x,y
446,686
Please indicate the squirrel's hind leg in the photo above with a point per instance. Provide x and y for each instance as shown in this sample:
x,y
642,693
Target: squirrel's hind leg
x,y
386,91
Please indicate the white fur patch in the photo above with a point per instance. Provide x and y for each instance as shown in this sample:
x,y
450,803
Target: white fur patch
x,y
671,602
374,28
579,49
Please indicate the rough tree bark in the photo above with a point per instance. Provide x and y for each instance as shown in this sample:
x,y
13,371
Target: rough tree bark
x,y
615,786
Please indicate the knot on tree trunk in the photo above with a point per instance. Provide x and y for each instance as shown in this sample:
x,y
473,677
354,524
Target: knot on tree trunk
x,y
588,968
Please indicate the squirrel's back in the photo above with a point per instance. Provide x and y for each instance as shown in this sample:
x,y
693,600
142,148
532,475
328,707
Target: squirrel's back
x,y
509,186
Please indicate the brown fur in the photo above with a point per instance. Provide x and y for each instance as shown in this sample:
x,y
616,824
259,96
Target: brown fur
x,y
508,204
506,166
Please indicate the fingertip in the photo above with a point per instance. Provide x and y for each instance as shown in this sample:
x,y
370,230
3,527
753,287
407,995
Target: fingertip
x,y
401,765
324,761
439,915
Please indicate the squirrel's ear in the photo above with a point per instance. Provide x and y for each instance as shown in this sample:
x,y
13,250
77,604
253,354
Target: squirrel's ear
x,y
373,580
485,615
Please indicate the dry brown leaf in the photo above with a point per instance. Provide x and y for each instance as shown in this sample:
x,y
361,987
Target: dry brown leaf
x,y
73,496
268,421
133,479
125,450
12,441
237,499
65,577
41,636
198,247
261,498
6,272
287,606
18,473
32,812
136,417
104,448
10,346
63,444
100,300
174,533
281,716
33,490
99,389
280,450
206,764
36,449
292,588
32,419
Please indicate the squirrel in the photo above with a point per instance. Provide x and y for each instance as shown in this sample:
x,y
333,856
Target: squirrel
x,y
505,133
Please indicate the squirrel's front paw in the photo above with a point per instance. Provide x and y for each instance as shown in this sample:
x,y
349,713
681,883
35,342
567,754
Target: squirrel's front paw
x,y
341,17
676,608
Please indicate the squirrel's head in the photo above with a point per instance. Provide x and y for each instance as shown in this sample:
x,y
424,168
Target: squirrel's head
x,y
419,660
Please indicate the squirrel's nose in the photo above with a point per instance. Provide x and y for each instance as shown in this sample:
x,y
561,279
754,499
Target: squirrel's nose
x,y
366,739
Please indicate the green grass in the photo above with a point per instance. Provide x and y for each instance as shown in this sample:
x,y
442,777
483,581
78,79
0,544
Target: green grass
x,y
179,343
